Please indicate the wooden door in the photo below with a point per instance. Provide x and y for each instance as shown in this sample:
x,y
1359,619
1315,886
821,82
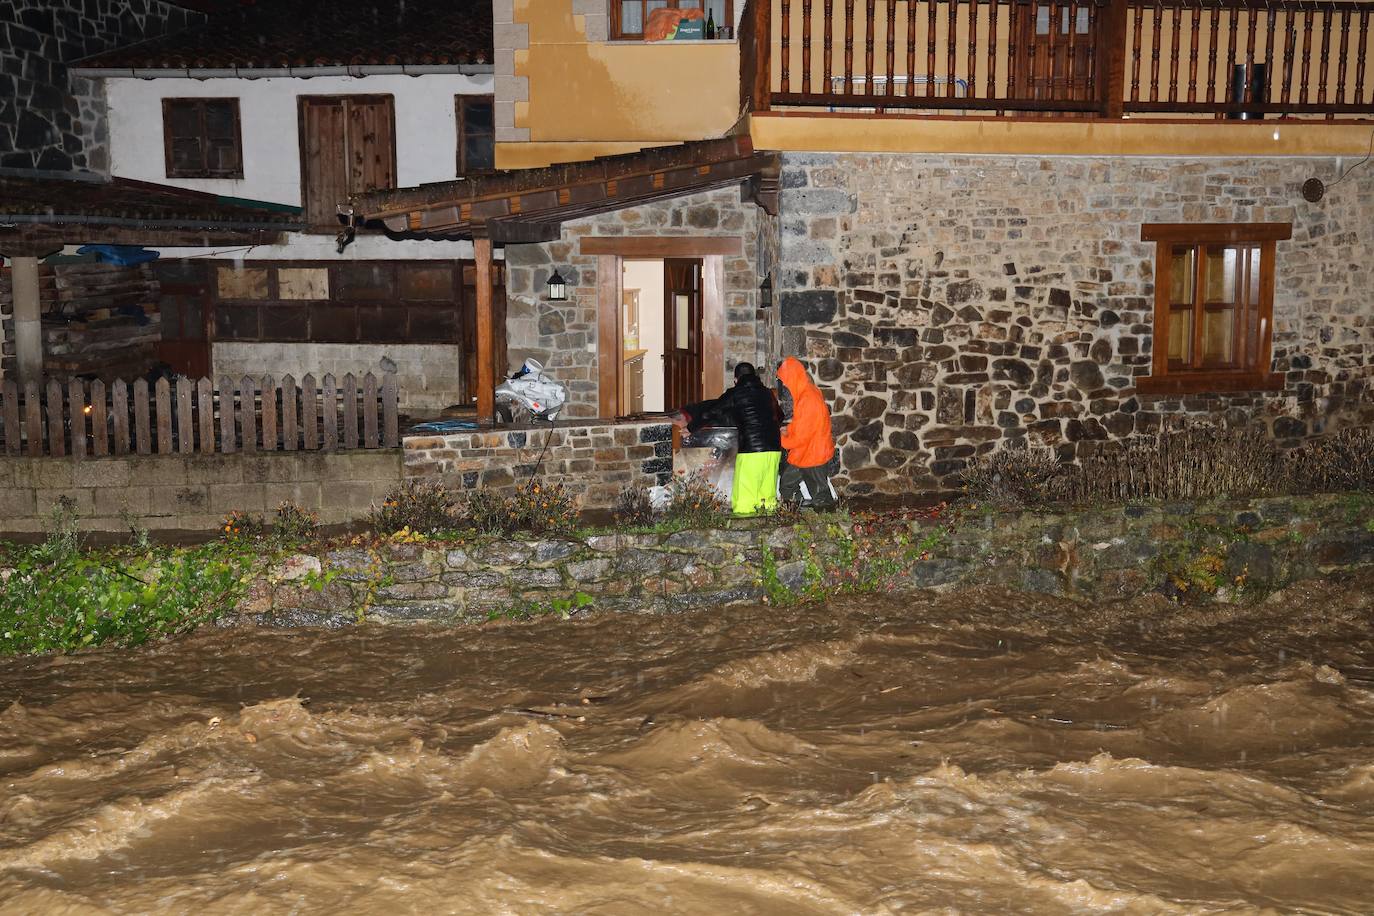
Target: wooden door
x,y
187,316
682,342
348,146
1052,51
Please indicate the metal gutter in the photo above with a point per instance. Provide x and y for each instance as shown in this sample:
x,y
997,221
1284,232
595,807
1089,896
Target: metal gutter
x,y
14,219
266,72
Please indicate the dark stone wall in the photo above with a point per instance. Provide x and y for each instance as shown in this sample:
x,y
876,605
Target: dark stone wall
x,y
45,122
953,304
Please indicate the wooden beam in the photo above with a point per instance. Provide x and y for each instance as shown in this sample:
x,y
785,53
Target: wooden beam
x,y
486,363
1110,42
28,322
652,246
608,339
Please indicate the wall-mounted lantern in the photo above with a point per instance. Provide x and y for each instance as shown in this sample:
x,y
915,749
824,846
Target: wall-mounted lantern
x,y
558,287
766,292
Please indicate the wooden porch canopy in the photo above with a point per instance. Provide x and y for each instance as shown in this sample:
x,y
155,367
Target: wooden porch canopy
x,y
531,205
41,213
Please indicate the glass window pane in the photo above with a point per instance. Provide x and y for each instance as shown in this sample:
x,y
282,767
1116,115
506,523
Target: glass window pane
x,y
1218,337
1219,274
1181,336
186,155
478,116
1182,271
717,10
479,152
631,16
682,311
689,4
219,120
184,119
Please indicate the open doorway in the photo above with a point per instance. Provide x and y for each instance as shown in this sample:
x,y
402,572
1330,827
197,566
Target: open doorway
x,y
661,352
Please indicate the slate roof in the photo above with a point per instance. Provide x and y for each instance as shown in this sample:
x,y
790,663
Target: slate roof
x,y
273,34
67,201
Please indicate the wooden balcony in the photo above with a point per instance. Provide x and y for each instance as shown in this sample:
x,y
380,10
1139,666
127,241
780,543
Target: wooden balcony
x,y
1186,60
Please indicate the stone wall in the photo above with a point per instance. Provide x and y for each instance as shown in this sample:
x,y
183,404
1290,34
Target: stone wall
x,y
1098,554
45,123
953,303
429,377
593,462
192,492
563,335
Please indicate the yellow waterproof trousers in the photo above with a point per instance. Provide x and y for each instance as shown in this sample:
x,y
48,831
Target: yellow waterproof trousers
x,y
755,487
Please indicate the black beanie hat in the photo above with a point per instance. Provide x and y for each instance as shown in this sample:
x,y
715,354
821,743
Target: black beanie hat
x,y
744,369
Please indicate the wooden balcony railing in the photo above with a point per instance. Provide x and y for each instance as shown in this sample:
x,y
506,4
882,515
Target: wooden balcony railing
x,y
1095,58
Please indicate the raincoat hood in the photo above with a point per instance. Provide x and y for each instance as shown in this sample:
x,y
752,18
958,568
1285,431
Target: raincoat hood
x,y
808,438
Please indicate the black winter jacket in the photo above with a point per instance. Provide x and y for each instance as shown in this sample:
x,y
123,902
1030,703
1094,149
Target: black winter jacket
x,y
749,407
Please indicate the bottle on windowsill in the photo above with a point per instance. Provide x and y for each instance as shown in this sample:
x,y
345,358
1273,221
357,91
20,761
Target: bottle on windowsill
x,y
710,25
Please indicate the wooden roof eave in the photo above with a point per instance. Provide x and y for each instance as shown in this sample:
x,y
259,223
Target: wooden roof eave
x,y
497,216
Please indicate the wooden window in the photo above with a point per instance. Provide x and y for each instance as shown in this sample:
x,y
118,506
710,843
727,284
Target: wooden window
x,y
476,119
628,16
1214,306
201,137
348,146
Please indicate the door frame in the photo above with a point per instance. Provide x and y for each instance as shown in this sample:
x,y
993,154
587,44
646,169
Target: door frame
x,y
611,251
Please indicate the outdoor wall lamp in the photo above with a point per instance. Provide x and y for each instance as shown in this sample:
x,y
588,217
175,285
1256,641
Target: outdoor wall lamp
x,y
766,292
558,287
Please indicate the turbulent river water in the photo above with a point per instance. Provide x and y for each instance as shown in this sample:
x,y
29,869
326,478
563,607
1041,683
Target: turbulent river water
x,y
975,751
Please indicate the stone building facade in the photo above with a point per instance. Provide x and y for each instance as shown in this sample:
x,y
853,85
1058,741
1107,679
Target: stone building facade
x,y
45,122
563,335
950,304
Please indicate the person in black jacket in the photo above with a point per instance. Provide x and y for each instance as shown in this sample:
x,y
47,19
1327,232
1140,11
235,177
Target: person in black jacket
x,y
752,409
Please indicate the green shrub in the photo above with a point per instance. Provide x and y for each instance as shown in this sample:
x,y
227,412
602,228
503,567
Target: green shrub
x,y
294,525
60,600
695,501
426,508
633,508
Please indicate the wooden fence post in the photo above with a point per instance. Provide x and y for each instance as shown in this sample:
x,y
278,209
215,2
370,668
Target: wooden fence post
x,y
228,437
1110,52
56,427
350,411
33,418
164,416
76,406
142,436
205,396
310,424
289,430
119,406
186,417
248,413
269,413
369,411
390,420
100,429
330,412
14,434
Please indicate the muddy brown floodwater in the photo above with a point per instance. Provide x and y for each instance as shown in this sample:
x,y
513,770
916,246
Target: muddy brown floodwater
x,y
976,751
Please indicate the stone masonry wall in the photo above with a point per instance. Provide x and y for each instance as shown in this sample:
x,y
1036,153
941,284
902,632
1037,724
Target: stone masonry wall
x,y
953,303
192,492
1098,554
563,335
593,462
45,123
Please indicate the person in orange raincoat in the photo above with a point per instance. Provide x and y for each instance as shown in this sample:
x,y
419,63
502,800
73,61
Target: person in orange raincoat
x,y
807,440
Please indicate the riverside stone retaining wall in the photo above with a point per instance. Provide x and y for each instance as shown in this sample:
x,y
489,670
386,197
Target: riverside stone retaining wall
x,y
191,492
1102,554
952,303
593,462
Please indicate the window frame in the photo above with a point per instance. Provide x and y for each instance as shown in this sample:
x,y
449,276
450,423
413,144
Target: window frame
x,y
200,103
617,34
460,104
1255,373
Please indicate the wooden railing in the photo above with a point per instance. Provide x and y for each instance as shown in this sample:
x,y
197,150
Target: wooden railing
x,y
94,420
1231,57
1103,58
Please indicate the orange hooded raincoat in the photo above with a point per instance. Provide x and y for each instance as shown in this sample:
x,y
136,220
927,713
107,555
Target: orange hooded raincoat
x,y
808,439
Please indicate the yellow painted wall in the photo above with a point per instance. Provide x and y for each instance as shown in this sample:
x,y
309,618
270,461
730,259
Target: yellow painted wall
x,y
615,96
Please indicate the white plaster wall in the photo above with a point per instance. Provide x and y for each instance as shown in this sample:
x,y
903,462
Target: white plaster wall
x,y
647,277
426,134
428,376
426,147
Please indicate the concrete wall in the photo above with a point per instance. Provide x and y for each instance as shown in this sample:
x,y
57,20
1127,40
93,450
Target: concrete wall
x,y
553,56
44,122
192,493
950,304
428,376
594,462
563,335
